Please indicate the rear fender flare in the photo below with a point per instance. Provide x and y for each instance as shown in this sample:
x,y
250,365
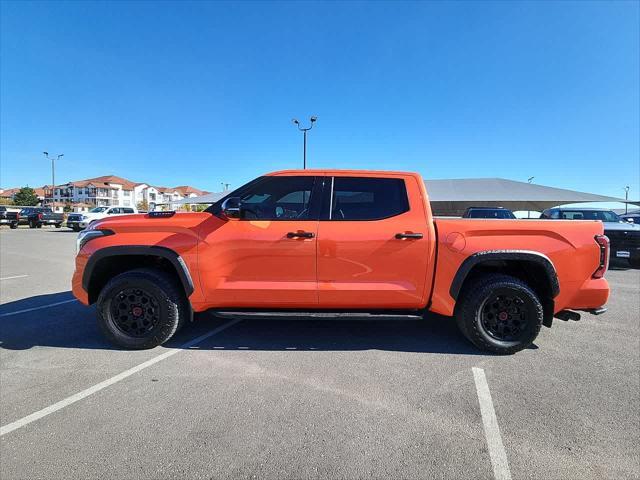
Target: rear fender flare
x,y
504,255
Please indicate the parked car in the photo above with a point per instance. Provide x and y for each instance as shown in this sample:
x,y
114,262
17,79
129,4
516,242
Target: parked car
x,y
488,212
80,221
623,236
631,218
348,243
36,217
8,218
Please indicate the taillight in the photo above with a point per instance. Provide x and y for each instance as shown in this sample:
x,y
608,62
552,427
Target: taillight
x,y
603,243
39,216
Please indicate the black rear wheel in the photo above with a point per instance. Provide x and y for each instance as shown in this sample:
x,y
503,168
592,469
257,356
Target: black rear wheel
x,y
14,225
499,313
141,308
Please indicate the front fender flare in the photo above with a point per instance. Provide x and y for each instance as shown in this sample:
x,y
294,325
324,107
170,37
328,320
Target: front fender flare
x,y
140,250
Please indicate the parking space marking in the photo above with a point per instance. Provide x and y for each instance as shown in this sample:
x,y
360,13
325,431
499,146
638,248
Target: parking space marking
x,y
15,276
491,431
102,385
37,308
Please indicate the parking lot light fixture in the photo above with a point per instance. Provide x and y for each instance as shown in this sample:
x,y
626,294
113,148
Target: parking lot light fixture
x,y
304,131
626,199
53,176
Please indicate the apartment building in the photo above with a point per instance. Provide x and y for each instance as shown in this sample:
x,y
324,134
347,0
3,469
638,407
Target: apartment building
x,y
111,190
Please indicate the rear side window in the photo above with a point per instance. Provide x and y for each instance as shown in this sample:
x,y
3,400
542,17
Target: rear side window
x,y
127,210
362,198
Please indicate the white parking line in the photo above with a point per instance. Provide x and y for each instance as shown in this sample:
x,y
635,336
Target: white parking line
x,y
37,308
15,276
121,376
491,431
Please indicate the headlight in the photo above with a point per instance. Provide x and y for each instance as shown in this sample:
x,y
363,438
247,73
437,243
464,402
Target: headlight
x,y
83,217
88,235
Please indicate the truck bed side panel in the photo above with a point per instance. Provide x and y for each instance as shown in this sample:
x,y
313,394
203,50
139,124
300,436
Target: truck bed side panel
x,y
570,246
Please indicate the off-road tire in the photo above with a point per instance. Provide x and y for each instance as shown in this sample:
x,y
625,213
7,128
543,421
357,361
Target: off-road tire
x,y
471,316
172,307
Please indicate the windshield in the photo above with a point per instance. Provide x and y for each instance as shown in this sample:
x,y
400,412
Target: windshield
x,y
602,215
98,210
487,213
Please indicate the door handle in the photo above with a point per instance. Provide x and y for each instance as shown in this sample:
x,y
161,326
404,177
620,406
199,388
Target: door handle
x,y
300,234
402,236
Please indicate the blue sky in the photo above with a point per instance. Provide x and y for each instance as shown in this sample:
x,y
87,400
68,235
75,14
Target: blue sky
x,y
201,93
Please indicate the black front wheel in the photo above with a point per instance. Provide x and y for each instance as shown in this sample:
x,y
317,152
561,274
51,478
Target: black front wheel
x,y
141,308
32,224
499,313
58,225
13,226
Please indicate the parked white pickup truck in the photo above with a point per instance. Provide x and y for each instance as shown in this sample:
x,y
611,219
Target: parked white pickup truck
x,y
80,221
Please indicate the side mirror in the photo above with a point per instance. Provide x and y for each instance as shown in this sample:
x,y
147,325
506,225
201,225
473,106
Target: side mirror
x,y
231,207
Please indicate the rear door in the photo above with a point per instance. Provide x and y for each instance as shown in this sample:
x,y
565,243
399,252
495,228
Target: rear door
x,y
372,243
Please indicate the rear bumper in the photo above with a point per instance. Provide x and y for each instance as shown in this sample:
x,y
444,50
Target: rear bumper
x,y
592,295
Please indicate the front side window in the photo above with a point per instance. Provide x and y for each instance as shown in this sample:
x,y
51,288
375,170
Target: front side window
x,y
97,210
363,198
277,198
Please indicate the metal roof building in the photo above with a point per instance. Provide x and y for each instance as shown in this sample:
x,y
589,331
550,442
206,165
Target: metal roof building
x,y
453,197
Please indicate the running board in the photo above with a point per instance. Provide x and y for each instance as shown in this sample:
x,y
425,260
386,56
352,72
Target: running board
x,y
295,315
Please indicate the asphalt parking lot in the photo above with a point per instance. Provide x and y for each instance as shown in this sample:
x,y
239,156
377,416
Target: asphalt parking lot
x,y
305,399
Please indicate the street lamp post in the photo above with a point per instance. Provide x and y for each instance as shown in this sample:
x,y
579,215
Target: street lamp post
x,y
304,132
53,175
626,199
529,181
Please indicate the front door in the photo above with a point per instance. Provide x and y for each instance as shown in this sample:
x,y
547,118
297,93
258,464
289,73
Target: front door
x,y
372,244
267,257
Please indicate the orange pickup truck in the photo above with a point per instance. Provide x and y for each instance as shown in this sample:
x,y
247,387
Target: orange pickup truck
x,y
323,243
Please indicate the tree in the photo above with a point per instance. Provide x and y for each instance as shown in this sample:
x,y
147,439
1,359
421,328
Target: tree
x,y
143,205
26,197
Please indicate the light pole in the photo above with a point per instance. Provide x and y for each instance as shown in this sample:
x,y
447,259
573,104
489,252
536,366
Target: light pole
x,y
304,131
53,175
529,181
626,199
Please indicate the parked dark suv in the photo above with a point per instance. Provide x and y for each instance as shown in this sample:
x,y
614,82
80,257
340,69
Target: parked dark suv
x,y
624,236
488,212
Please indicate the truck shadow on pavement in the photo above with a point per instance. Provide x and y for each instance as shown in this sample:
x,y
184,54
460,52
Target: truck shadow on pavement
x,y
72,325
